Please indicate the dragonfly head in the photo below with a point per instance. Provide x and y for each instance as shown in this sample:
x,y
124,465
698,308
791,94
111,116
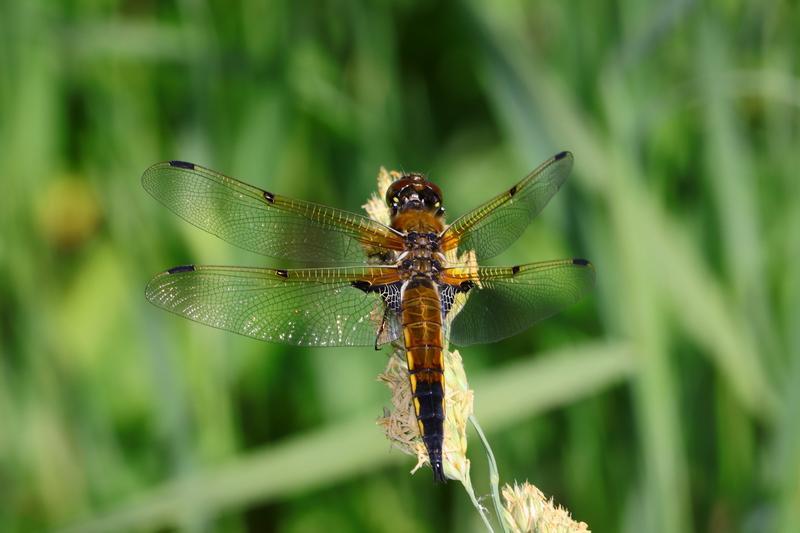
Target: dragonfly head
x,y
414,192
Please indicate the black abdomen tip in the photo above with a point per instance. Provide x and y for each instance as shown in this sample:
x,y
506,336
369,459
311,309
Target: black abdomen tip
x,y
581,262
182,268
438,472
561,155
181,164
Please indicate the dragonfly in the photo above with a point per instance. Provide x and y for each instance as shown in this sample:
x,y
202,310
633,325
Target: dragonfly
x,y
416,282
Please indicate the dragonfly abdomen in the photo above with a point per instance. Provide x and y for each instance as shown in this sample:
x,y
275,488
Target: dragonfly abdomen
x,y
422,333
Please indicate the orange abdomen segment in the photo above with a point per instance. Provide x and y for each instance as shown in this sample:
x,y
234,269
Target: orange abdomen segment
x,y
422,332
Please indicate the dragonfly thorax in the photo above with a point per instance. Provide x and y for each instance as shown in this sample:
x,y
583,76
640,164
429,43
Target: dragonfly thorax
x,y
423,257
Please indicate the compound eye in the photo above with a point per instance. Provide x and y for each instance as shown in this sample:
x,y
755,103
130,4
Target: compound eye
x,y
391,194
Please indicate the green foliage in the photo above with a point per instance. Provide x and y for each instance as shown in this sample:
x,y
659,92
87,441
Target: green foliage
x,y
668,401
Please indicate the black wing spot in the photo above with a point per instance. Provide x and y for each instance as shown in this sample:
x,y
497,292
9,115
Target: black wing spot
x,y
268,196
515,269
465,286
560,155
513,190
182,268
181,164
362,285
581,262
282,273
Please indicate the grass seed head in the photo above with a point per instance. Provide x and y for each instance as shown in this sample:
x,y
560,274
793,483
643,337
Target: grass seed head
x,y
527,510
400,423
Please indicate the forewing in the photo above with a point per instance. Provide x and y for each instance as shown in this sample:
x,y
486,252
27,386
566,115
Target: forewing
x,y
494,226
303,307
504,301
267,223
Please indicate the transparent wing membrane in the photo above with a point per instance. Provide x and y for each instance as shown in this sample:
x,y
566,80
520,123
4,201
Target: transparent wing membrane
x,y
355,305
494,226
267,223
304,307
504,301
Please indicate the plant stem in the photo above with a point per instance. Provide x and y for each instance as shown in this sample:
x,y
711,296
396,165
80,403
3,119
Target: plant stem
x,y
494,475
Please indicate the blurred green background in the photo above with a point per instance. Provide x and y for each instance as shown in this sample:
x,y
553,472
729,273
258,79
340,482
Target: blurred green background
x,y
668,401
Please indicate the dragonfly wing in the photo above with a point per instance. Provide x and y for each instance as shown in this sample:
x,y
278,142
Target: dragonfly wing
x,y
494,226
267,223
503,301
303,307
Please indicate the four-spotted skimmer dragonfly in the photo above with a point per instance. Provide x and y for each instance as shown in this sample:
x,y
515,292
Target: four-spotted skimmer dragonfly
x,y
417,279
